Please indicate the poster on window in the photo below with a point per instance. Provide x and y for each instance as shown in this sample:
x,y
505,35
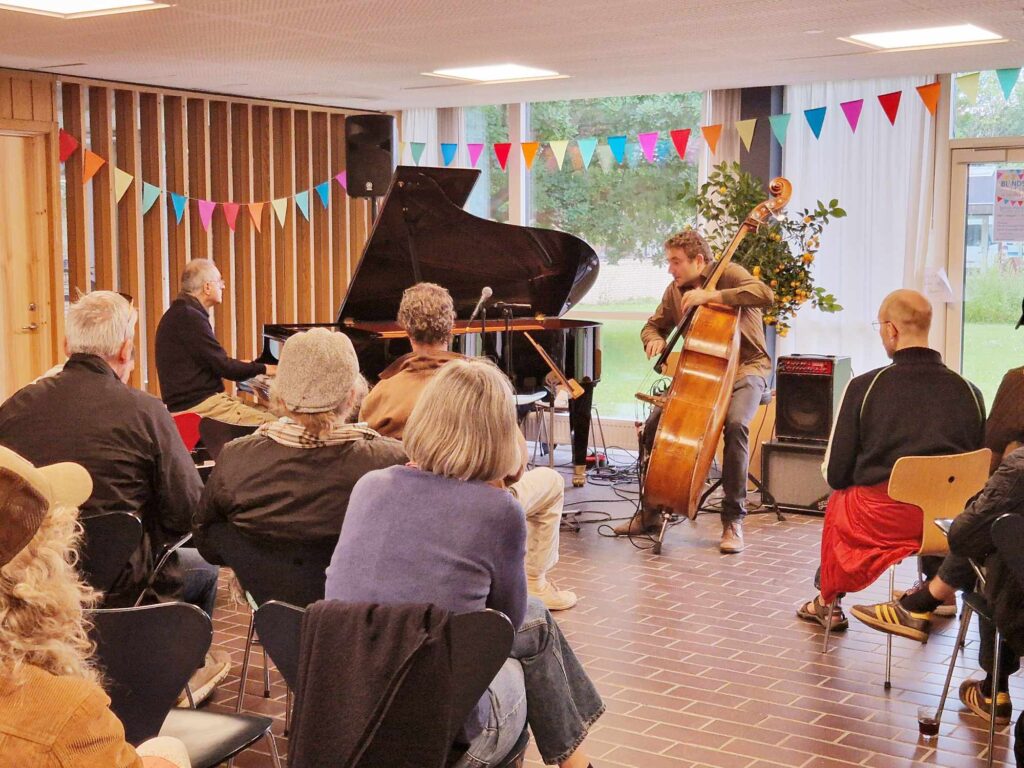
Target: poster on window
x,y
1008,213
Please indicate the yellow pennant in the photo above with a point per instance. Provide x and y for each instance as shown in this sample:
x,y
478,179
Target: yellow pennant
x,y
968,86
558,148
745,128
529,152
122,180
280,207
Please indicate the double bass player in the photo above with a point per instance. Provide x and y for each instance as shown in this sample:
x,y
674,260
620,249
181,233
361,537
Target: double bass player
x,y
689,263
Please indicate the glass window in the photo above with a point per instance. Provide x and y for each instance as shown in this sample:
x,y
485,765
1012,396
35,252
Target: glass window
x,y
488,125
991,114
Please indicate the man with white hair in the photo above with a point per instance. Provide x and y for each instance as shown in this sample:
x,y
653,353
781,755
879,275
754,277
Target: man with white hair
x,y
191,363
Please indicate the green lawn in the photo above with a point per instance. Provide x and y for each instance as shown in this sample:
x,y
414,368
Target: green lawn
x,y
989,352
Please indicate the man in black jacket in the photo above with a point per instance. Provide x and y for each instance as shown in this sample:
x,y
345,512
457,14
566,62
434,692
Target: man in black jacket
x,y
190,361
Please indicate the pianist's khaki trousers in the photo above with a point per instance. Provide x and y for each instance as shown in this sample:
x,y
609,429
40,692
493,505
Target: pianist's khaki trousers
x,y
231,410
540,492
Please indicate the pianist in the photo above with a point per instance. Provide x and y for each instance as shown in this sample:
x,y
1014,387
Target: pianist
x,y
191,363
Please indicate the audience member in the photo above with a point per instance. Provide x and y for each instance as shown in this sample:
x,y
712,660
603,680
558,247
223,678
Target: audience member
x,y
427,315
285,488
442,530
190,361
1006,421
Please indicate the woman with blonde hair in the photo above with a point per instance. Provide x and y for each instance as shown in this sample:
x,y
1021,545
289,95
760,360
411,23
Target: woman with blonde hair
x,y
444,530
52,709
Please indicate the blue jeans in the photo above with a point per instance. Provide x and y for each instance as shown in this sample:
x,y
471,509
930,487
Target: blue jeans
x,y
199,580
542,683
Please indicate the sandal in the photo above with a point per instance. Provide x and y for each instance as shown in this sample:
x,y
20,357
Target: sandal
x,y
816,611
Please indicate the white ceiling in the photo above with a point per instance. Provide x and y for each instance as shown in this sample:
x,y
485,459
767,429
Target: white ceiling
x,y
369,53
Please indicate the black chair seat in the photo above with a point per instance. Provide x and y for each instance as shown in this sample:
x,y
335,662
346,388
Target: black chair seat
x,y
978,604
213,737
108,543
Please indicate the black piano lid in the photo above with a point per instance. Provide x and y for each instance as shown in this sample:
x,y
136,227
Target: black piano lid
x,y
422,234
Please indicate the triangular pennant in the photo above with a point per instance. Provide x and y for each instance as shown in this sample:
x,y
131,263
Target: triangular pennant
x,y
256,214
401,153
122,180
930,96
745,128
417,150
474,153
323,192
1007,80
648,143
604,156
586,147
712,133
852,110
206,209
178,201
968,86
448,153
501,152
90,165
780,124
617,145
230,214
150,195
529,149
558,150
342,179
815,119
891,105
68,144
302,202
280,207
680,138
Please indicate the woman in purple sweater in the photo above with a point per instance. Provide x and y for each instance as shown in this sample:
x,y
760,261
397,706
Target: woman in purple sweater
x,y
444,530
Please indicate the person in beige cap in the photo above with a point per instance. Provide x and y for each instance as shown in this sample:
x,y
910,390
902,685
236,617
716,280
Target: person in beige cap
x,y
53,711
278,497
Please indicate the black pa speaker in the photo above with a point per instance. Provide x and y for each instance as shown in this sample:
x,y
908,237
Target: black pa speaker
x,y
368,160
791,475
808,389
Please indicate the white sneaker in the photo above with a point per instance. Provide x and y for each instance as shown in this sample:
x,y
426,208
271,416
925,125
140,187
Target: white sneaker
x,y
554,599
205,679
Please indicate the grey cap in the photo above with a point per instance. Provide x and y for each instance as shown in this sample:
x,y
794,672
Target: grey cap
x,y
316,371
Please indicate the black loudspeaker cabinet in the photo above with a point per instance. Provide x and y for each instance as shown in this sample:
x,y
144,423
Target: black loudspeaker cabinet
x,y
368,157
808,389
791,474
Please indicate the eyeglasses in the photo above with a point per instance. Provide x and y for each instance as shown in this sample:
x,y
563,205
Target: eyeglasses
x,y
220,283
877,325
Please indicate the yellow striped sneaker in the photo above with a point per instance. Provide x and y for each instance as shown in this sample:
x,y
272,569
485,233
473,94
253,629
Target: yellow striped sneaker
x,y
972,697
893,618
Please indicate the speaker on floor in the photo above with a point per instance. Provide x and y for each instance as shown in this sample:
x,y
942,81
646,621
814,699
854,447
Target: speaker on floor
x,y
368,158
791,475
808,389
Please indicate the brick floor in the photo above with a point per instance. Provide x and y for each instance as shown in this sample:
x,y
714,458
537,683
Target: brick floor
x,y
702,662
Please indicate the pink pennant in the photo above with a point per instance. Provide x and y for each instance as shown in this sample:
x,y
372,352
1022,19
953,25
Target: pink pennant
x,y
230,213
648,141
343,180
474,153
852,111
206,209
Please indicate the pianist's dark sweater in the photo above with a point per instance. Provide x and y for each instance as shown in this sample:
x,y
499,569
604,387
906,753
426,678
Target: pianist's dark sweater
x,y
190,362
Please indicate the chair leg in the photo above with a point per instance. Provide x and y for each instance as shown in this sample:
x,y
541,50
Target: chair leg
x,y
995,695
287,709
266,673
888,637
828,624
245,663
274,757
965,622
188,695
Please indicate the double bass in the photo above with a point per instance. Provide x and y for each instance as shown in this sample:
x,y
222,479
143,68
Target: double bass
x,y
695,405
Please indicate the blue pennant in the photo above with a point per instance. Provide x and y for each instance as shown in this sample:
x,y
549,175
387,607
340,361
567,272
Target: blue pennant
x,y
448,153
617,144
323,191
179,202
815,119
302,202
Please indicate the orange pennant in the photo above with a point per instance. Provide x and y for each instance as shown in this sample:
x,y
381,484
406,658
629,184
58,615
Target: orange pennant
x,y
256,213
91,164
529,152
712,133
929,95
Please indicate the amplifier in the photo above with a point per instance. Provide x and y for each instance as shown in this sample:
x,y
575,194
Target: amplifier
x,y
808,389
791,474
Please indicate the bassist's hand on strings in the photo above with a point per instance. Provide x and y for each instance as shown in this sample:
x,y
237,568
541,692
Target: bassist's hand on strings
x,y
695,297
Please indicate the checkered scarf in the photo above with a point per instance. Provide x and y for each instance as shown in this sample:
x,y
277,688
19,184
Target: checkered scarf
x,y
287,432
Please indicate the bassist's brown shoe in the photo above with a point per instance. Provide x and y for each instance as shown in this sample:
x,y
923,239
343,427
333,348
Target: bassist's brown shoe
x,y
642,522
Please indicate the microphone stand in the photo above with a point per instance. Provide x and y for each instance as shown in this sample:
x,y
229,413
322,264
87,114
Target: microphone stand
x,y
507,314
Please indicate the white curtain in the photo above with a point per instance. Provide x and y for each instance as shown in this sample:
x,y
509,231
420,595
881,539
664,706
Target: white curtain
x,y
883,176
420,125
722,108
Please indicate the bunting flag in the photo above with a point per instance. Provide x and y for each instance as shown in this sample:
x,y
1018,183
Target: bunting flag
x,y
280,207
150,194
890,104
558,150
604,157
968,86
231,213
780,124
68,144
529,149
586,147
448,153
90,165
648,143
1007,80
712,133
501,153
617,145
746,130
256,213
417,150
302,203
680,138
401,152
930,96
322,191
342,179
178,201
474,153
852,110
122,180
206,209
815,119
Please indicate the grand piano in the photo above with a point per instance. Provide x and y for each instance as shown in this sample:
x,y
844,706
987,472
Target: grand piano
x,y
422,234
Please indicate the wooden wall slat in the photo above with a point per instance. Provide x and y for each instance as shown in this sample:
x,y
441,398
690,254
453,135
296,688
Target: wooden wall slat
x,y
174,149
220,190
197,181
262,180
341,274
304,250
323,309
129,277
284,236
101,138
241,192
42,100
152,228
6,97
21,98
74,123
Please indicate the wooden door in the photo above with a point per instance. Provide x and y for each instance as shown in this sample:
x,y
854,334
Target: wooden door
x,y
24,262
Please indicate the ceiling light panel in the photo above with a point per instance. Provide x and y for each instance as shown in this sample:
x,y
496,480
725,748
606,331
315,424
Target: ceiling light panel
x,y
496,73
70,9
931,37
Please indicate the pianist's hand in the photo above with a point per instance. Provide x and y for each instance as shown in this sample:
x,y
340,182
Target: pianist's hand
x,y
271,370
654,347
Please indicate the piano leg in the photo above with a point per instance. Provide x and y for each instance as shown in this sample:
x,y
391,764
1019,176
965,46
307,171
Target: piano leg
x,y
579,423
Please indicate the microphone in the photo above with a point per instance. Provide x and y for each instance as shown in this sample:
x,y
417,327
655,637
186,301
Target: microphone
x,y
500,305
485,294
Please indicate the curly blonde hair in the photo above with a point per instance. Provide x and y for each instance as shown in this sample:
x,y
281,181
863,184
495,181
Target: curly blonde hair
x,y
691,242
427,313
43,599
